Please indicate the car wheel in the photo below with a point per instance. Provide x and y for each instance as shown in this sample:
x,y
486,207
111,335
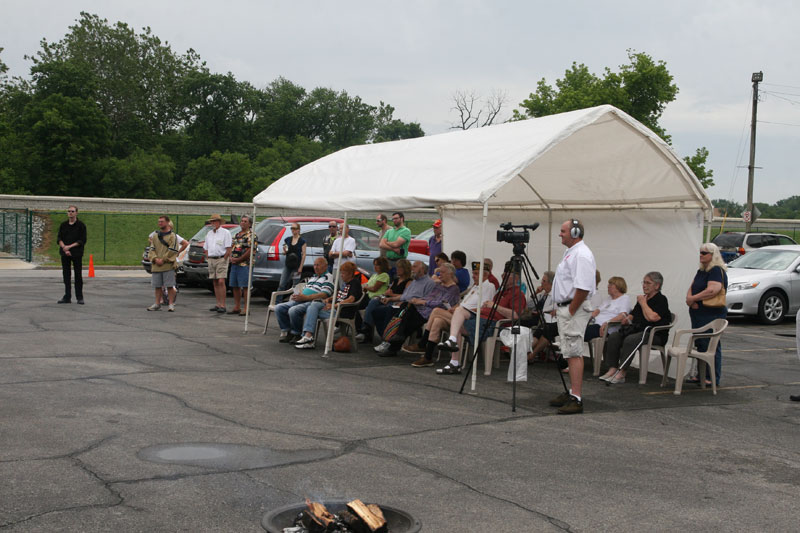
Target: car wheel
x,y
772,308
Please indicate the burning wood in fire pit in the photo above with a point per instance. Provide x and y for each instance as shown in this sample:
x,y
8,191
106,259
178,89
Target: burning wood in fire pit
x,y
357,518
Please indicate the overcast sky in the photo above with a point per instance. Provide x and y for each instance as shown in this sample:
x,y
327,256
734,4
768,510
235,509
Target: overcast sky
x,y
415,54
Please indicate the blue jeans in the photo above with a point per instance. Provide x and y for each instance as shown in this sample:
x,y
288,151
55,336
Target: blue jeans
x,y
290,315
371,306
313,312
701,317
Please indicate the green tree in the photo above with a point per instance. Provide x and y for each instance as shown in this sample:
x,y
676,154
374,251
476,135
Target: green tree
x,y
227,177
728,208
388,128
138,77
140,175
642,88
697,163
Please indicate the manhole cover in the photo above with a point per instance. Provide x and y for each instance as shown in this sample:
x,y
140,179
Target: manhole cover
x,y
397,521
228,456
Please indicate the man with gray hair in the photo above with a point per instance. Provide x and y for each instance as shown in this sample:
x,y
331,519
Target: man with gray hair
x,y
573,286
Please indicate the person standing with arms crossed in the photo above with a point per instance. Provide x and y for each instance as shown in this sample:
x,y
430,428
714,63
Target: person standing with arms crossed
x,y
217,246
71,240
573,286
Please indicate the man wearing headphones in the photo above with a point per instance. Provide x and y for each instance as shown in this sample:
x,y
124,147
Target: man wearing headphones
x,y
573,286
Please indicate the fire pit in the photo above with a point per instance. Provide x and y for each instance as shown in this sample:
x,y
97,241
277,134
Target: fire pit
x,y
397,521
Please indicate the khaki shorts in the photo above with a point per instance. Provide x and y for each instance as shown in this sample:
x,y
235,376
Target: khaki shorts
x,y
571,329
217,268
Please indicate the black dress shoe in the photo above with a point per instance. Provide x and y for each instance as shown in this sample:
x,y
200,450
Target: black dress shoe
x,y
80,302
795,398
65,300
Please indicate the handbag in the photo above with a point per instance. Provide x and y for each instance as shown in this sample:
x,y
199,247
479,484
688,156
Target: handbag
x,y
394,326
718,300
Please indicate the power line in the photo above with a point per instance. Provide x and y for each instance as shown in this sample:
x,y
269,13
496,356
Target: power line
x,y
779,123
793,102
779,85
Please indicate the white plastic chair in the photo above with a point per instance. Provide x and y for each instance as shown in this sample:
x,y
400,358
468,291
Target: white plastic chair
x,y
334,319
273,299
683,353
644,351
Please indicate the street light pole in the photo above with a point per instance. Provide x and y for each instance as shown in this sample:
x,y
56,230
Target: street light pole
x,y
757,77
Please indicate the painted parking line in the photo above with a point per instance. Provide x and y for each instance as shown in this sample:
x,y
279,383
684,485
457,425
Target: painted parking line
x,y
762,336
708,387
758,350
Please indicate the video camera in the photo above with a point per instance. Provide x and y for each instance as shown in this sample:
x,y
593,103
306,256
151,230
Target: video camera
x,y
509,235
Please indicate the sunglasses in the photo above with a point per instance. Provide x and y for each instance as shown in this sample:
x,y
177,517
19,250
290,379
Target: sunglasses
x,y
704,252
71,211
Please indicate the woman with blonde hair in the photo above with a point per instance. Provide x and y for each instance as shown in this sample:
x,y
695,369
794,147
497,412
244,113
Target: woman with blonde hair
x,y
706,300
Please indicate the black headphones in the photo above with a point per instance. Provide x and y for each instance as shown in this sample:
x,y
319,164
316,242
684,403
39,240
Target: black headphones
x,y
576,232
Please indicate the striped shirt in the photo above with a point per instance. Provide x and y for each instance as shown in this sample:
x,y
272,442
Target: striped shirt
x,y
317,284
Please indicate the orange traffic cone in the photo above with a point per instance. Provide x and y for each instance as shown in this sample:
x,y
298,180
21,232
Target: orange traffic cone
x,y
91,265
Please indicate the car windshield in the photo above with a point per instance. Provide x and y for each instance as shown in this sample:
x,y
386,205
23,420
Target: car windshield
x,y
267,230
766,259
728,240
201,235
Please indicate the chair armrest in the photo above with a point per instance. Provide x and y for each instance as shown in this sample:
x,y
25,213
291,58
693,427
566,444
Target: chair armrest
x,y
695,333
608,325
656,329
275,294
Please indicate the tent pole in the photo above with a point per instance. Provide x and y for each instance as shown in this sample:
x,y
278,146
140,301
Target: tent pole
x,y
549,239
337,269
480,296
710,223
250,271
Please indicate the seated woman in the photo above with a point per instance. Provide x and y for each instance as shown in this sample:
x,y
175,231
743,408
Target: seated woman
x,y
440,319
418,310
614,308
546,327
651,309
397,287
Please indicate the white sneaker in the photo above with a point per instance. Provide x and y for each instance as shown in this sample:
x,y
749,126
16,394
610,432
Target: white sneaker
x,y
360,337
171,308
303,341
154,307
382,347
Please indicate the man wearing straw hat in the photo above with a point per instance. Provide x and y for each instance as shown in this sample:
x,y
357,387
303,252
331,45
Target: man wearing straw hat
x,y
217,247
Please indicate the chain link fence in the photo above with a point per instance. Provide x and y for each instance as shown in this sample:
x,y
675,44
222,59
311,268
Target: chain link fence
x,y
16,233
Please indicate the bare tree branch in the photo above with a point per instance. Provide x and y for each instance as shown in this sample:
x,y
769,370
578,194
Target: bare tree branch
x,y
468,104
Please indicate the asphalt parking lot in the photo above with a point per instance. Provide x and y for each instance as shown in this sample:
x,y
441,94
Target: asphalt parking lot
x,y
94,398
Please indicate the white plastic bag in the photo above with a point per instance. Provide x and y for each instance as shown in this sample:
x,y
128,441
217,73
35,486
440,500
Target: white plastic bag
x,y
524,345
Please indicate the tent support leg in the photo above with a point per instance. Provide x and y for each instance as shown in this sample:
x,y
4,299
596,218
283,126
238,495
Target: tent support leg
x,y
480,296
337,268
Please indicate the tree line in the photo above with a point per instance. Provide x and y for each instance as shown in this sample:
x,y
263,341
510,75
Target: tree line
x,y
111,112
785,208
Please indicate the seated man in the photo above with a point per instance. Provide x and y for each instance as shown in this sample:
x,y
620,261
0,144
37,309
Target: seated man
x,y
290,314
440,319
459,259
416,311
488,264
349,292
510,303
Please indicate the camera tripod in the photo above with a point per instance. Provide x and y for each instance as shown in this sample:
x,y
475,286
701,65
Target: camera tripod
x,y
522,268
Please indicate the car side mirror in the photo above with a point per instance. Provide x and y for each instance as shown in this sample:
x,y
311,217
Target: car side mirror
x,y
797,269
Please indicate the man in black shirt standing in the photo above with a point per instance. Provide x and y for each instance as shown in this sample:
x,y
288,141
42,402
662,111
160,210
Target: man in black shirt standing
x,y
71,240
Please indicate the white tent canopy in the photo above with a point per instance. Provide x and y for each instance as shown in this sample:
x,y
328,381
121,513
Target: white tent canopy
x,y
592,158
642,206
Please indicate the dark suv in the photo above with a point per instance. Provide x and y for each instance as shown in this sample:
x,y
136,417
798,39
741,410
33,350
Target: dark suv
x,y
270,258
733,244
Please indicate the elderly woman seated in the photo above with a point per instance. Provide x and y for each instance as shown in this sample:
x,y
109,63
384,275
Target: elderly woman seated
x,y
651,309
613,309
440,319
386,299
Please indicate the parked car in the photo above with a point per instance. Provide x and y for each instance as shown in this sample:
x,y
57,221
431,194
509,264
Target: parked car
x,y
270,258
419,243
196,266
765,283
733,244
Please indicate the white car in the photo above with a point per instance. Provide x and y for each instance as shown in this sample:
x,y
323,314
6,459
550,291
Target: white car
x,y
765,283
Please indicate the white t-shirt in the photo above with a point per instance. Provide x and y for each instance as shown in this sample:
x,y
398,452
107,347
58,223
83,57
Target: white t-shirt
x,y
611,308
217,241
349,245
470,300
577,270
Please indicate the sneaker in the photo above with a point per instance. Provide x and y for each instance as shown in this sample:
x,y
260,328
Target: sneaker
x,y
171,308
64,300
309,345
449,369
573,406
413,348
154,307
285,337
304,340
448,346
560,400
382,347
422,362
361,337
614,380
80,302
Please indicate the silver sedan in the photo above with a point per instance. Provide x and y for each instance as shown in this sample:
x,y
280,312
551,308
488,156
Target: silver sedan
x,y
765,283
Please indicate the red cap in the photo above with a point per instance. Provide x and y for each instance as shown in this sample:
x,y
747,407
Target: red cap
x,y
437,223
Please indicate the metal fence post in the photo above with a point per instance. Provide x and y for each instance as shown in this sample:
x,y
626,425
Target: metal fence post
x,y
104,236
29,254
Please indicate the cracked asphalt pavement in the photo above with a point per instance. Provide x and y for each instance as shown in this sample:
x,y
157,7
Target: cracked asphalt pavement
x,y
83,389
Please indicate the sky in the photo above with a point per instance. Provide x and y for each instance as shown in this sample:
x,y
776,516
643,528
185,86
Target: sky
x,y
415,54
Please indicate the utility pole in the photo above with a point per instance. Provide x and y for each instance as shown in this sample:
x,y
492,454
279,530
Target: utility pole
x,y
757,77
